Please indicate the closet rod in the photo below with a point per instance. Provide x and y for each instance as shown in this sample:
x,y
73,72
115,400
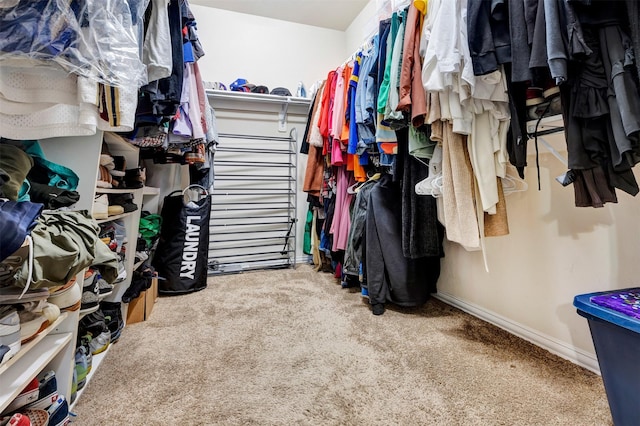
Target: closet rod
x,y
235,163
241,247
250,218
252,261
259,231
253,254
247,239
226,225
255,137
254,191
260,190
221,176
251,209
252,203
254,150
283,263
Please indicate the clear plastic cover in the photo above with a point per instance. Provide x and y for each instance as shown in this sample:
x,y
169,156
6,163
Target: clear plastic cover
x,y
98,39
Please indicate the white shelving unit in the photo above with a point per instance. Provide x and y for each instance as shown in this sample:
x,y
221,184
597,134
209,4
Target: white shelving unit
x,y
118,146
52,349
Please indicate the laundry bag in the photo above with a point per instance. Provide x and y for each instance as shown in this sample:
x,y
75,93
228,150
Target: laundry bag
x,y
183,247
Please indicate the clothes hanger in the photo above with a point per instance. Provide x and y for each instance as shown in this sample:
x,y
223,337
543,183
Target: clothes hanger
x,y
353,189
431,185
375,176
512,183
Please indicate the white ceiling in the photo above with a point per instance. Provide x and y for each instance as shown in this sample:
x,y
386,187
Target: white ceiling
x,y
333,14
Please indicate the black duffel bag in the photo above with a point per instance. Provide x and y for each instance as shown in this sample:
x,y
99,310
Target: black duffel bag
x,y
181,256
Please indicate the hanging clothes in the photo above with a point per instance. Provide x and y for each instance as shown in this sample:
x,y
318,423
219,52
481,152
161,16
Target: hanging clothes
x,y
390,276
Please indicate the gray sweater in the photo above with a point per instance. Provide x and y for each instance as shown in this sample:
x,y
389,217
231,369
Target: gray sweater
x,y
564,37
633,9
520,48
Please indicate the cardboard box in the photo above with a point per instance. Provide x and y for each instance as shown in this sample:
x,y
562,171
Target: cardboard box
x,y
140,308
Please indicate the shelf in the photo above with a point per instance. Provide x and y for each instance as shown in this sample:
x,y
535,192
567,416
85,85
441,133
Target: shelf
x,y
116,190
258,97
115,217
24,349
552,123
150,190
96,360
37,354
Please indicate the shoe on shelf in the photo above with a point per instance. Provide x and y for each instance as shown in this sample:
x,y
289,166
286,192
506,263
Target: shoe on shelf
x,y
114,210
135,178
119,165
95,325
10,345
19,419
35,321
28,395
141,256
546,109
14,262
100,207
9,320
104,178
100,343
113,317
550,89
68,297
89,303
47,392
37,417
534,96
74,387
104,288
84,341
4,350
10,341
124,200
59,412
94,282
82,367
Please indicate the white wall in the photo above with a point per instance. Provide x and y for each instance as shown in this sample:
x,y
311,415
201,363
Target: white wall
x,y
554,252
363,27
265,51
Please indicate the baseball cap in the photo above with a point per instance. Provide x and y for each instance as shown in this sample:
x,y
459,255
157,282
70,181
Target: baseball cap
x,y
282,91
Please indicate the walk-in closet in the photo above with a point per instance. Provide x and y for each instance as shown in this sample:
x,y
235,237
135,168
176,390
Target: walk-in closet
x,y
357,212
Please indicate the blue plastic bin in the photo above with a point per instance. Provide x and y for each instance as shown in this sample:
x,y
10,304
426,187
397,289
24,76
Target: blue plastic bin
x,y
616,337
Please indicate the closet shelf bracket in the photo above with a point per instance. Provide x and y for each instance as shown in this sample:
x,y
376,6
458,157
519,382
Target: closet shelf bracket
x,y
282,116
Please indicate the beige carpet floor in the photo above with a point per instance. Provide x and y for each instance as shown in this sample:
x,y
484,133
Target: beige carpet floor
x,y
291,347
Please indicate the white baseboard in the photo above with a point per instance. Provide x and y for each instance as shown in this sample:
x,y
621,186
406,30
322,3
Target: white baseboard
x,y
555,346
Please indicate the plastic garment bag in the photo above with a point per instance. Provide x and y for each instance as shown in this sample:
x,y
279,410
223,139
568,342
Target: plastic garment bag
x,y
98,39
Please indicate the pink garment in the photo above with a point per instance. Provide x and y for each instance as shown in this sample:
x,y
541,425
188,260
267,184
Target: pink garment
x,y
182,124
337,120
332,96
202,95
341,216
336,153
195,113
